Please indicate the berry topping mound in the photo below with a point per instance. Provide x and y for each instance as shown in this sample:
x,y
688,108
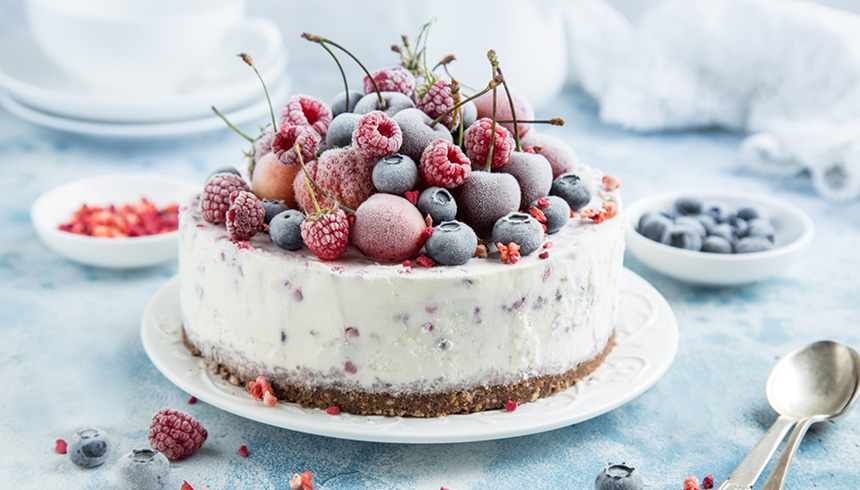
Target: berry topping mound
x,y
388,228
175,434
123,221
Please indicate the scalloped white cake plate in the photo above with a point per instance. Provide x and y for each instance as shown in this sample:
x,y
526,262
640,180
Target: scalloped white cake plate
x,y
646,336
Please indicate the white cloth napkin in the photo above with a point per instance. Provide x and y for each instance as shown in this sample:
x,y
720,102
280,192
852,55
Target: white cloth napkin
x,y
785,71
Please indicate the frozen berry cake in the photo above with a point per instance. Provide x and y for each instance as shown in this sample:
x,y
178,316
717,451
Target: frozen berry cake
x,y
405,250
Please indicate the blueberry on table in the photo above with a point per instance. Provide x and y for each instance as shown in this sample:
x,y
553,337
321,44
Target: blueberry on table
x,y
655,228
716,244
693,223
143,469
619,477
88,448
752,244
688,205
683,236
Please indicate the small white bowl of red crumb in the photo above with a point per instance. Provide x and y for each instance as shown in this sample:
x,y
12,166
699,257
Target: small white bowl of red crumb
x,y
716,238
117,221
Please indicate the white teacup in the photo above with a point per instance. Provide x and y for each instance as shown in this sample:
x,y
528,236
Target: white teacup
x,y
142,47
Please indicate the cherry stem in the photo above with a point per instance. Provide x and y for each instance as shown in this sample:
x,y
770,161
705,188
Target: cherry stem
x,y
556,121
322,41
492,136
308,179
494,60
247,59
495,82
342,75
234,128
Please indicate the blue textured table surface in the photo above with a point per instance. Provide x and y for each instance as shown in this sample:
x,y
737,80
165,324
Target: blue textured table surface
x,y
71,353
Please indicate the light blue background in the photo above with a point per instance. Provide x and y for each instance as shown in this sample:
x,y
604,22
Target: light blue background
x,y
70,352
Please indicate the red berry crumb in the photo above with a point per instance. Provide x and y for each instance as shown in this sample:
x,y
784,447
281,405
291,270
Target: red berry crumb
x,y
302,482
547,245
544,255
537,214
691,483
443,164
192,400
611,182
407,264
510,252
326,235
245,215
269,399
255,390
543,203
426,233
530,149
708,482
128,220
477,143
395,79
243,451
481,251
511,406
376,135
595,215
610,209
412,196
332,410
425,261
216,195
186,486
60,446
175,434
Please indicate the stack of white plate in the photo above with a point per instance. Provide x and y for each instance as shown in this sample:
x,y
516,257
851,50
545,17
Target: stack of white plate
x,y
34,89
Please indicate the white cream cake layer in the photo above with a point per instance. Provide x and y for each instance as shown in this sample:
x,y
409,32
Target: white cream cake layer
x,y
383,328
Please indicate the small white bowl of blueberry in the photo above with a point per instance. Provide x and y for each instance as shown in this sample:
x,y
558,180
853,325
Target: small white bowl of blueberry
x,y
716,238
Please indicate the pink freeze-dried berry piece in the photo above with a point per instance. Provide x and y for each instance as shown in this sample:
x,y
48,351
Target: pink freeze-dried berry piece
x,y
443,164
245,216
436,101
327,234
175,434
283,144
60,446
394,79
216,195
304,110
376,135
388,228
477,143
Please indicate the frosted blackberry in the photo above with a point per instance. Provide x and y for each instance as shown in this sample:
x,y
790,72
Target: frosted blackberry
x,y
656,227
285,229
688,205
521,229
716,244
683,236
452,243
619,477
272,207
556,210
572,189
88,448
143,469
339,100
692,223
394,103
761,227
340,130
752,244
438,203
395,174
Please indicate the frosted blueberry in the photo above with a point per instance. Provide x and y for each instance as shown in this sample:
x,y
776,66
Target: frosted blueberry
x,y
143,469
438,203
340,130
750,213
521,229
761,227
88,448
339,100
683,236
272,207
718,211
724,231
688,205
572,189
452,243
739,225
706,220
619,477
655,228
395,174
716,244
285,229
752,244
557,212
692,223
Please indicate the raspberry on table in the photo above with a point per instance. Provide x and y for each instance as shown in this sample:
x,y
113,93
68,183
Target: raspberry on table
x,y
284,141
477,143
436,101
394,79
443,164
304,110
376,135
175,434
245,216
216,195
326,235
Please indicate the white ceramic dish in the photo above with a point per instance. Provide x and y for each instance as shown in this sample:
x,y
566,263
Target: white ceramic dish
x,y
794,231
258,111
647,339
228,83
58,205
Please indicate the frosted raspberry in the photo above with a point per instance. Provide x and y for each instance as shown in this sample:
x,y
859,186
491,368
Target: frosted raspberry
x,y
245,216
284,140
216,195
436,101
443,164
304,110
477,143
343,175
395,79
376,135
60,446
327,234
175,434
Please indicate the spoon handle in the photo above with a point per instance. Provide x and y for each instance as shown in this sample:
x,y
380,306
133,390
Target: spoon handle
x,y
754,463
776,479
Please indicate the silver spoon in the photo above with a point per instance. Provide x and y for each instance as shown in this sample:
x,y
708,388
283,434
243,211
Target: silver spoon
x,y
834,398
792,390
